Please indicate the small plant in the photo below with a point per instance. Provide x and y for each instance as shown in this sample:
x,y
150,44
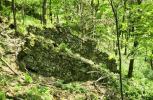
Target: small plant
x,y
28,78
2,96
62,47
39,93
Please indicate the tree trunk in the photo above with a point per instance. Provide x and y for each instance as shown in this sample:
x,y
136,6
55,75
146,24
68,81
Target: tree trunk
x,y
151,63
44,11
14,16
131,64
125,49
131,68
136,43
50,11
115,13
57,19
146,53
92,14
81,16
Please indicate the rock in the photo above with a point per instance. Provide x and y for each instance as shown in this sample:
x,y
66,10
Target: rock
x,y
86,48
56,52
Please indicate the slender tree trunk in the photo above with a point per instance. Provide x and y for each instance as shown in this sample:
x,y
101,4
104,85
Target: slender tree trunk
x,y
92,14
115,12
151,63
57,19
120,57
116,50
146,53
14,16
50,11
125,49
44,11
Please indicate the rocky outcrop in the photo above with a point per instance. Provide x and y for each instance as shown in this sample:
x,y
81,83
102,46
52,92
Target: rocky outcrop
x,y
85,47
57,52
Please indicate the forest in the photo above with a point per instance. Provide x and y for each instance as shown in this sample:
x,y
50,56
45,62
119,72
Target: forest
x,y
76,49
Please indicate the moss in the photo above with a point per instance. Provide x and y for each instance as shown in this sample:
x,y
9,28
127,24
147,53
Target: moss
x,y
40,54
85,47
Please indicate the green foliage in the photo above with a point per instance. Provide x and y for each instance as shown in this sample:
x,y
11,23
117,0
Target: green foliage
x,y
138,89
61,48
72,87
148,74
27,78
4,79
6,11
46,53
2,96
39,93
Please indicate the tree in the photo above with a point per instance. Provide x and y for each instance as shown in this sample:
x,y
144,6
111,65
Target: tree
x,y
135,45
50,11
44,11
116,18
151,60
14,16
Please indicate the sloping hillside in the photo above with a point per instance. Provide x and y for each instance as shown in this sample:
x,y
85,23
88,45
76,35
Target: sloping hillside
x,y
76,50
66,75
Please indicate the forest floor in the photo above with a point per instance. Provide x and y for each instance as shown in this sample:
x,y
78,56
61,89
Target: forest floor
x,y
16,87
